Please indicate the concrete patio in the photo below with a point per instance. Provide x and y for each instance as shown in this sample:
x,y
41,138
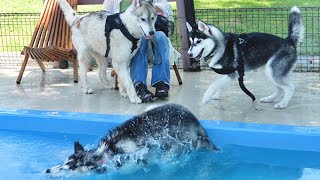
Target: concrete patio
x,y
54,90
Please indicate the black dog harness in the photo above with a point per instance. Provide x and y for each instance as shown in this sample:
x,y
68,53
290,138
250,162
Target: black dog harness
x,y
240,41
114,22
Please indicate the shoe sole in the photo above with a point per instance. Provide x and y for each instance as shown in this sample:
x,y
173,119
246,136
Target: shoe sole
x,y
162,95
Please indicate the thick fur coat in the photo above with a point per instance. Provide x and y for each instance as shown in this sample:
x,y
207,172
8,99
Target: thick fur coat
x,y
169,131
88,36
223,51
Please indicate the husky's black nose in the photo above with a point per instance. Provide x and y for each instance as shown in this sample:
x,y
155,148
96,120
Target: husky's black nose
x,y
48,171
151,33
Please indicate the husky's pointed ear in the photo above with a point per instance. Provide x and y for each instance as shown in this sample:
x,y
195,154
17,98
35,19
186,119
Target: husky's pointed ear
x,y
188,26
136,3
78,147
202,26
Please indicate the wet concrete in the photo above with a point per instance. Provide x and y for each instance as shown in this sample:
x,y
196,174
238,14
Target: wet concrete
x,y
55,90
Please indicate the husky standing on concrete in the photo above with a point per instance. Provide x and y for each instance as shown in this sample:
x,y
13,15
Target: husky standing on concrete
x,y
88,36
169,131
232,54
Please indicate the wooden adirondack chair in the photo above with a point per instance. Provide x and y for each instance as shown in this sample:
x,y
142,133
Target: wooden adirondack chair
x,y
51,39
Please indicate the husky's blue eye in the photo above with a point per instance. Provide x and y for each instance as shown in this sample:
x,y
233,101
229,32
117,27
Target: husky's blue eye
x,y
199,41
143,19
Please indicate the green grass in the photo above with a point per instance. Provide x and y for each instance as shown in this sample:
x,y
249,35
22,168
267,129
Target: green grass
x,y
204,4
34,6
16,6
17,30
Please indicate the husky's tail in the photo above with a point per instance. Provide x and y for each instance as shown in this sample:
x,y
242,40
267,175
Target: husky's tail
x,y
296,28
70,15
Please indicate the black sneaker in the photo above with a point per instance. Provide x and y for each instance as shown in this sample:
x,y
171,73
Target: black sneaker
x,y
162,89
143,93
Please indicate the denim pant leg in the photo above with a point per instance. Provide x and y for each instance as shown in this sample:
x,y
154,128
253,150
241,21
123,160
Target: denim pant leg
x,y
139,63
161,64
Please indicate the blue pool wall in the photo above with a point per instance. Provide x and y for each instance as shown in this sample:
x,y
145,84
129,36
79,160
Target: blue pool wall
x,y
296,138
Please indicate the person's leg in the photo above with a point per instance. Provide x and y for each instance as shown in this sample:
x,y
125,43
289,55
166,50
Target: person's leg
x,y
139,63
139,71
161,66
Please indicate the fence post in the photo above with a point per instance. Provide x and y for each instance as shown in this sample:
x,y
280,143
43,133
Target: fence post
x,y
184,36
191,18
186,13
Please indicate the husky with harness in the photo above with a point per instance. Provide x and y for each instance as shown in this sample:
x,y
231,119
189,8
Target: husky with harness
x,y
95,36
232,54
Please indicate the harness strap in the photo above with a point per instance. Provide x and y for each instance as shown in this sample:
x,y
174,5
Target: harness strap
x,y
226,70
211,54
114,22
240,44
154,46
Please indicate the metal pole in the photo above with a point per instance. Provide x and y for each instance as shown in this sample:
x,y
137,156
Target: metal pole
x,y
190,13
186,13
191,18
184,36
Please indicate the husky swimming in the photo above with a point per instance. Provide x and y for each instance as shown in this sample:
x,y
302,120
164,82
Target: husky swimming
x,y
165,130
233,54
105,37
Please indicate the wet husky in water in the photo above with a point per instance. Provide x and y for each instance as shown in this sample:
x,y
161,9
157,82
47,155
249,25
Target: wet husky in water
x,y
168,130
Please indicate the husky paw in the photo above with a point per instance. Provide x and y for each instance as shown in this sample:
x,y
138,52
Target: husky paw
x,y
205,100
266,100
207,97
280,105
216,96
109,86
87,90
135,100
123,93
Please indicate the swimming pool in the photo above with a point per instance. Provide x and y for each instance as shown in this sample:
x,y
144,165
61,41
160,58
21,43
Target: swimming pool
x,y
31,141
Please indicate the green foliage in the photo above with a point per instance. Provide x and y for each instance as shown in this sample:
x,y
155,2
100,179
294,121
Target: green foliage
x,y
35,6
18,6
16,30
200,4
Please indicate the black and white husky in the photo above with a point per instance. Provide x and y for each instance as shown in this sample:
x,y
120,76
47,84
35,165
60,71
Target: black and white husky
x,y
232,54
165,130
88,36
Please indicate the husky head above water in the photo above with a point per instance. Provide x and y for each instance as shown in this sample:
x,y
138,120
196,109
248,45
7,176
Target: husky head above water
x,y
165,131
145,13
206,42
80,161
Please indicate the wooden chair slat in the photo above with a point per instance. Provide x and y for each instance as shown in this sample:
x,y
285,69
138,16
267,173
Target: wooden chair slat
x,y
36,30
53,56
31,55
43,54
40,55
58,55
51,39
50,24
54,24
34,54
42,31
59,33
45,25
68,32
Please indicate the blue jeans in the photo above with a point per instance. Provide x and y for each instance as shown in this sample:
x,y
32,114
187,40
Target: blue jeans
x,y
160,66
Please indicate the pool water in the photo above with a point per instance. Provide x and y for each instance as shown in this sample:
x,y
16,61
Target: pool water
x,y
27,154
